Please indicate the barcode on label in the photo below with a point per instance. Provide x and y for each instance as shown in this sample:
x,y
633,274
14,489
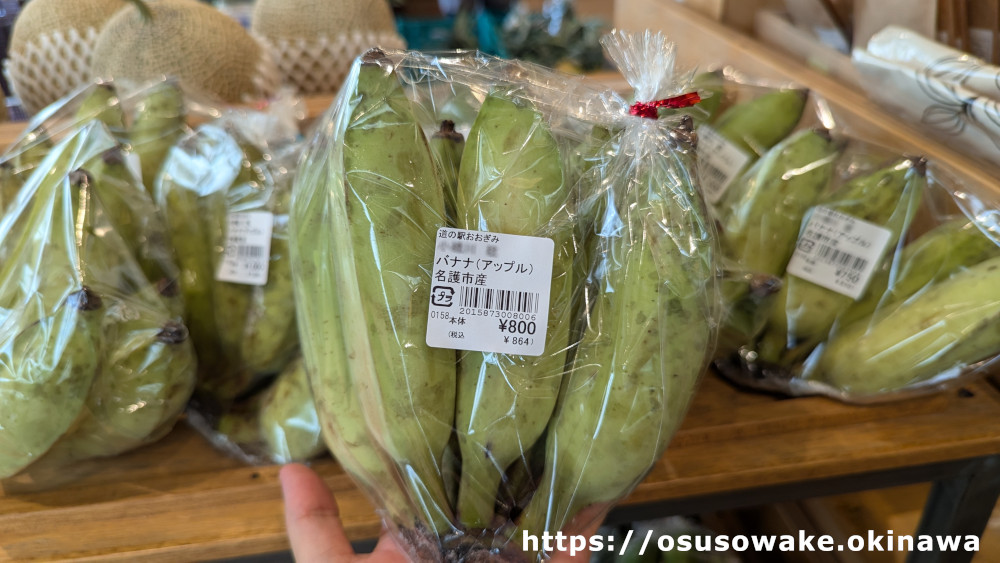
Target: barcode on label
x,y
840,258
249,251
715,174
499,299
838,251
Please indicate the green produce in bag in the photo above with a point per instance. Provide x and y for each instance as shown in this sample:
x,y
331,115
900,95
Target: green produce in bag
x,y
94,363
433,383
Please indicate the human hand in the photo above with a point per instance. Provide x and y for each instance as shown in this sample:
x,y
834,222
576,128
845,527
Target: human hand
x,y
317,534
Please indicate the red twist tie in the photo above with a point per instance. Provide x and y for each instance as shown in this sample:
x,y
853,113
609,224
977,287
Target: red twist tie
x,y
649,109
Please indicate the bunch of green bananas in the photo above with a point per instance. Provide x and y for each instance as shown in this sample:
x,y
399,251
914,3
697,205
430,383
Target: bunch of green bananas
x,y
244,330
94,363
797,328
448,442
935,310
251,397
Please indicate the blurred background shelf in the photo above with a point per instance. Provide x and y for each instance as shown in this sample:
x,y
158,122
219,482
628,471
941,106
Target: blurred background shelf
x,y
703,42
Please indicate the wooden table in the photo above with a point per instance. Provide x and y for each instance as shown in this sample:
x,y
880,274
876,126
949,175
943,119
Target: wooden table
x,y
181,500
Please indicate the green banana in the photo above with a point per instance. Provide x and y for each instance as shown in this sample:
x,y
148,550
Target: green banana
x,y
758,124
147,367
645,344
386,400
50,350
954,323
288,418
253,320
46,371
279,424
761,214
446,146
101,103
511,181
934,256
147,376
157,126
133,215
763,210
239,426
203,165
393,234
231,304
747,299
805,312
271,338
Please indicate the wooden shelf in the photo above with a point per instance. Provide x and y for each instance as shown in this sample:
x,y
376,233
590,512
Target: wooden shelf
x,y
179,499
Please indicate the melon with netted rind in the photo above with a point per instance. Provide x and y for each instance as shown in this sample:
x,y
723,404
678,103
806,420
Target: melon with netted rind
x,y
314,42
206,50
50,48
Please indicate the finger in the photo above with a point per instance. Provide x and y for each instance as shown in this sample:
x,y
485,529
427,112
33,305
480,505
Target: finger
x,y
311,517
587,521
388,550
585,524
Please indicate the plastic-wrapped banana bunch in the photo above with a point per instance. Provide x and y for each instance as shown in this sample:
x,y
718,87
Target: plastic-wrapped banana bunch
x,y
873,304
225,198
92,360
126,168
466,367
738,125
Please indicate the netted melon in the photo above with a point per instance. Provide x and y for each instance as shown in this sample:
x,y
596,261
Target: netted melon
x,y
314,42
207,51
50,48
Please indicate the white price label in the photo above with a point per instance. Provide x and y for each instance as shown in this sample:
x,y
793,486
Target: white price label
x,y
490,292
838,251
248,248
719,163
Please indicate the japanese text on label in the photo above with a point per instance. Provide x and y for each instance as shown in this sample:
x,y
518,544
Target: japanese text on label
x,y
248,248
838,251
719,163
490,292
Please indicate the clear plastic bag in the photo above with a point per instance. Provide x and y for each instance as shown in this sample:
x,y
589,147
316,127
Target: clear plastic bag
x,y
434,384
747,129
143,120
882,295
224,193
95,360
278,424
